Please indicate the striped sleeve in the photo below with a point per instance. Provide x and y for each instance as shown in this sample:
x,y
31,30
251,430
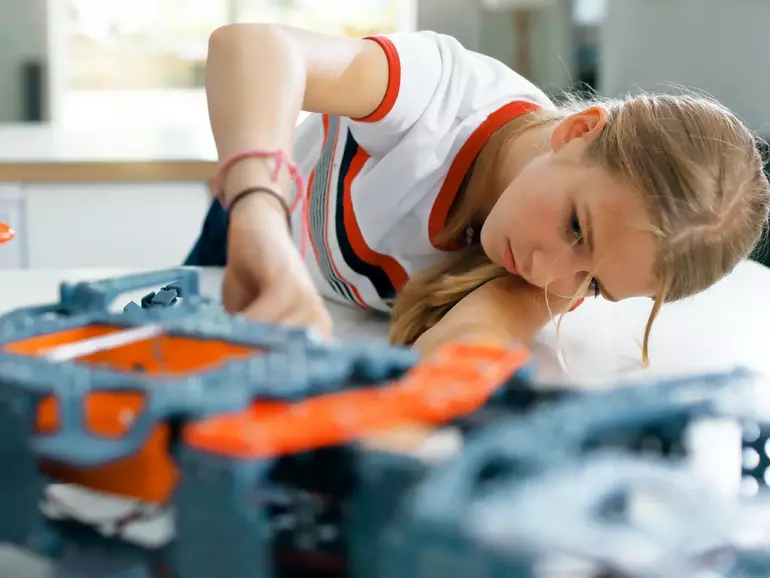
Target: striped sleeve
x,y
415,70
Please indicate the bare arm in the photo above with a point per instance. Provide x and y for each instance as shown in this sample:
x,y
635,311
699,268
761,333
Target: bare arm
x,y
504,310
260,76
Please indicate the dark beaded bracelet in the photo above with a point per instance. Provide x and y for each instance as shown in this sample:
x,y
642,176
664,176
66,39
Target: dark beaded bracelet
x,y
266,190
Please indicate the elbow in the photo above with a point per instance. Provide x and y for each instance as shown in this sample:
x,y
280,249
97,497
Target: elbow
x,y
244,34
267,46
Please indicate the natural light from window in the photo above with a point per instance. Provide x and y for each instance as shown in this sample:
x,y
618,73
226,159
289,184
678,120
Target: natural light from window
x,y
135,62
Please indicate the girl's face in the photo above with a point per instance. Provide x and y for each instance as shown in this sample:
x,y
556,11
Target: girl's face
x,y
561,221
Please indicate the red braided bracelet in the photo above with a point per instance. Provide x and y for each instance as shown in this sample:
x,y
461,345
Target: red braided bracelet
x,y
280,158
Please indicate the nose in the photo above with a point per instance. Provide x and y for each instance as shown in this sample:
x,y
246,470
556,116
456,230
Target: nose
x,y
561,273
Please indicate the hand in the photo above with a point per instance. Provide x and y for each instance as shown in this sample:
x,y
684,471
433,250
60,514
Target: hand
x,y
266,278
288,299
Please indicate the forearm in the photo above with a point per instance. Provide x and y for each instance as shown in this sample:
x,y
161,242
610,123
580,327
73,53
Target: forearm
x,y
443,333
502,311
260,76
255,84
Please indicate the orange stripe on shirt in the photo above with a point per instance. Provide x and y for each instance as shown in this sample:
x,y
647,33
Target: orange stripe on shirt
x,y
394,80
392,268
462,164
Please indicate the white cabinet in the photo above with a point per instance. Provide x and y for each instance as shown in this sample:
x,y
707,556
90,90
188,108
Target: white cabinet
x,y
112,225
103,197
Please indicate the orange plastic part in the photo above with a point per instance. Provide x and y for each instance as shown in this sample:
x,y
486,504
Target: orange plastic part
x,y
163,354
6,233
150,475
458,379
41,344
170,354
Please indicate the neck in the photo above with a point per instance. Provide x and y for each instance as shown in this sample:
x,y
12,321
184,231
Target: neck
x,y
500,162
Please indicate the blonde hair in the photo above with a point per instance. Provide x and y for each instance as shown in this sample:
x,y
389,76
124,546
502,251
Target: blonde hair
x,y
700,172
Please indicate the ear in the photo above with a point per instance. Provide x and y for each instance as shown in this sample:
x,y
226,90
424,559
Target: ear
x,y
586,125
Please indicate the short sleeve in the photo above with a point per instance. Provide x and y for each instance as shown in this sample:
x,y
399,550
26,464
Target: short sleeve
x,y
415,70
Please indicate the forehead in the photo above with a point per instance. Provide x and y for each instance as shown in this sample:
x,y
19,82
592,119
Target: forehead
x,y
624,245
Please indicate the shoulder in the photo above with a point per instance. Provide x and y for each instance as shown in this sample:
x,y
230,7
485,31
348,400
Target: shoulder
x,y
482,78
453,71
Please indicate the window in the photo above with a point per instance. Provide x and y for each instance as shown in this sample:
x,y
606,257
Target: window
x,y
589,12
141,44
146,58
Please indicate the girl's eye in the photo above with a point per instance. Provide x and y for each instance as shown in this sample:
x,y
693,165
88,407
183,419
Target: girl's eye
x,y
595,287
574,225
577,231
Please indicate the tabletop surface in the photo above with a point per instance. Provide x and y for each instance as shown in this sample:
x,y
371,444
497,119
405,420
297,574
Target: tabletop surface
x,y
726,326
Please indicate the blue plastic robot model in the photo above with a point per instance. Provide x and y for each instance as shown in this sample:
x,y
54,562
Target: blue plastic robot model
x,y
283,455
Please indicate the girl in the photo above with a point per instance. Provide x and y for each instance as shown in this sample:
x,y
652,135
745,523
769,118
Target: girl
x,y
442,183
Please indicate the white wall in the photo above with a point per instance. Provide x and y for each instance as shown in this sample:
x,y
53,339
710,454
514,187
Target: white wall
x,y
23,36
719,46
492,33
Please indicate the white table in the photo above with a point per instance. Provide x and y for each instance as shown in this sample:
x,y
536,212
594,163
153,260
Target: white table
x,y
725,327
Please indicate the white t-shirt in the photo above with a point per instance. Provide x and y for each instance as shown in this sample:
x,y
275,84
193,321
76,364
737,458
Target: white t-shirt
x,y
379,189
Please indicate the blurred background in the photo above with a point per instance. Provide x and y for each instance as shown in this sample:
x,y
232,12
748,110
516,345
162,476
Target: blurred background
x,y
103,120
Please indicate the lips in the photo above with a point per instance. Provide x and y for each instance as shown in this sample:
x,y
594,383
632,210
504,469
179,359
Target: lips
x,y
508,261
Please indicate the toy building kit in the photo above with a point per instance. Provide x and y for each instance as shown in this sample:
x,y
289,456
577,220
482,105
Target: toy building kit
x,y
268,453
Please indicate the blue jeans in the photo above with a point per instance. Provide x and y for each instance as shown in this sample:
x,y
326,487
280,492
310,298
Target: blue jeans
x,y
210,250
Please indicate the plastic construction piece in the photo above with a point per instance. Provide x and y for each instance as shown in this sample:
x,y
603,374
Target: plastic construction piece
x,y
512,455
627,418
88,300
6,233
173,295
110,387
458,380
611,513
756,453
601,505
285,455
116,401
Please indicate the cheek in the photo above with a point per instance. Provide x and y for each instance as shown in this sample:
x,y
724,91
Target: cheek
x,y
528,209
536,217
503,216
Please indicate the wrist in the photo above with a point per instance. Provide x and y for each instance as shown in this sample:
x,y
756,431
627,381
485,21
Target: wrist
x,y
260,210
252,172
